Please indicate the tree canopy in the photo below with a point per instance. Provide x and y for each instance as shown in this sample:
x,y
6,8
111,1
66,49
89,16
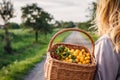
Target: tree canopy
x,y
6,10
36,18
6,13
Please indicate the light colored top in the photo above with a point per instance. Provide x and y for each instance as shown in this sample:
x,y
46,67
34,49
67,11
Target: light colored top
x,y
108,62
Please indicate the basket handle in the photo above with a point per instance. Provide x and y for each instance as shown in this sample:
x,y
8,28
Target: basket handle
x,y
72,29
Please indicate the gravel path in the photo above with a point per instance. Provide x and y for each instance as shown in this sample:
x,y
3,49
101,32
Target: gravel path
x,y
77,38
38,72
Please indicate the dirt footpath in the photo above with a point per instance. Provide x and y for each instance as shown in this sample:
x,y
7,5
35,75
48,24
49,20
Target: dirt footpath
x,y
38,72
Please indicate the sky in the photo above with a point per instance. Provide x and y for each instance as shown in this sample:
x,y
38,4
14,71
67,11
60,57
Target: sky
x,y
61,10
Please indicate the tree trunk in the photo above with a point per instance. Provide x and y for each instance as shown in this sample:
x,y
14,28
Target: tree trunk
x,y
36,36
45,35
7,46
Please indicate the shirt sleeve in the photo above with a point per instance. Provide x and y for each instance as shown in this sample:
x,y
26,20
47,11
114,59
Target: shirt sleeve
x,y
107,63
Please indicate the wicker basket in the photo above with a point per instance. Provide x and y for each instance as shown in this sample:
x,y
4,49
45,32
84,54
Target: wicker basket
x,y
58,70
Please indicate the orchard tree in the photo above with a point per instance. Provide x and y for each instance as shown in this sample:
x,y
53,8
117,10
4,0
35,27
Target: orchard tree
x,y
13,25
6,13
92,10
36,18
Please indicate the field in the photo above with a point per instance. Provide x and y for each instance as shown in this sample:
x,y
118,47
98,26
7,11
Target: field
x,y
26,52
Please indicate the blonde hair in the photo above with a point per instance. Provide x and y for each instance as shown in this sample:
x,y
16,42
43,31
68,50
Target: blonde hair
x,y
107,20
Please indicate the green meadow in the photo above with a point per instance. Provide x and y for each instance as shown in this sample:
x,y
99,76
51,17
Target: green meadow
x,y
26,52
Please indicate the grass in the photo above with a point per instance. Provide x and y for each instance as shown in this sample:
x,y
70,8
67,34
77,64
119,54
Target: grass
x,y
18,69
94,36
26,53
61,37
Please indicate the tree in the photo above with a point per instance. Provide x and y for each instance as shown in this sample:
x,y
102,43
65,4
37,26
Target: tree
x,y
70,24
93,10
63,24
84,25
13,25
36,18
92,14
57,24
6,13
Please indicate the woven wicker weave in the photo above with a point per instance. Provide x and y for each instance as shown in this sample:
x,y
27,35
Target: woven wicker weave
x,y
58,70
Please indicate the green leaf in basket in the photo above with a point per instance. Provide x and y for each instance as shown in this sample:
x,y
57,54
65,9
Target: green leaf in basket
x,y
66,49
66,54
60,56
73,57
73,60
60,49
57,51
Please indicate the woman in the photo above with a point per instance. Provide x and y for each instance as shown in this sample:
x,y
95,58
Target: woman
x,y
107,48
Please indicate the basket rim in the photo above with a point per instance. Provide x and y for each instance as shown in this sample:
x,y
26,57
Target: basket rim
x,y
62,43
